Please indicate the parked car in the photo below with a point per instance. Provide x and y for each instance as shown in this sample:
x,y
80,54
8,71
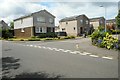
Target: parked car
x,y
59,34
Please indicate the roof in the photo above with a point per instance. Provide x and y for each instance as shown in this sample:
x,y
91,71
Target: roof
x,y
110,20
31,14
96,19
70,18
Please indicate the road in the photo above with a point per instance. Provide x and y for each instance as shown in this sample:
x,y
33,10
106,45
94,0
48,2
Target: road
x,y
60,57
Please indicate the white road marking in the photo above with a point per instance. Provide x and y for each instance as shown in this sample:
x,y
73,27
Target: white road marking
x,y
93,55
82,54
77,52
39,46
86,53
61,49
35,46
73,52
31,45
107,57
67,51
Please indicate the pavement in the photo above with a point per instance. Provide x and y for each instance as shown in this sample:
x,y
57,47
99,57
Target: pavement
x,y
75,58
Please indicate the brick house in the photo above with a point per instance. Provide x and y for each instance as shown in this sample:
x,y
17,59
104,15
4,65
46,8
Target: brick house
x,y
74,25
111,24
96,22
34,24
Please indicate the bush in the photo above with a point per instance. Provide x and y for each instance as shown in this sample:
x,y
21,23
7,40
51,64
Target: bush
x,y
115,31
21,39
49,35
42,35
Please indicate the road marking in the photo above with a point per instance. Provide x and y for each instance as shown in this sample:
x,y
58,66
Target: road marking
x,y
35,46
86,53
107,57
73,52
39,46
93,55
82,54
67,51
31,45
61,49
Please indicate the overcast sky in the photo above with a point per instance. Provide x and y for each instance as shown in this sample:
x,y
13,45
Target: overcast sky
x,y
12,9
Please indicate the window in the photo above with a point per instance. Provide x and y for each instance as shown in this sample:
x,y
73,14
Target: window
x,y
22,30
41,19
86,21
81,21
66,22
51,20
63,29
74,28
38,29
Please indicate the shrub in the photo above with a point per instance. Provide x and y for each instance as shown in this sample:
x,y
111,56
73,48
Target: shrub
x,y
51,35
42,35
21,39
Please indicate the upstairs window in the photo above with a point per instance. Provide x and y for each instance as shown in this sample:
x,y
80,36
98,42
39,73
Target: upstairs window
x,y
41,19
81,21
87,22
51,20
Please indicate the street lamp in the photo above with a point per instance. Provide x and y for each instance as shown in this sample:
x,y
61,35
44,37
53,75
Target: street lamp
x,y
105,16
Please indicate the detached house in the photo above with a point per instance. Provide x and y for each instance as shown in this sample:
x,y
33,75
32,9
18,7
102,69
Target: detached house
x,y
74,25
111,23
34,24
96,22
4,25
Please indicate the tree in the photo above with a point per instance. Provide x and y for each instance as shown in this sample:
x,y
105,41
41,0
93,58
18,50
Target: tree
x,y
118,20
12,25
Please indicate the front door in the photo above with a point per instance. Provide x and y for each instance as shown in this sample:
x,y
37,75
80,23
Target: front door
x,y
81,30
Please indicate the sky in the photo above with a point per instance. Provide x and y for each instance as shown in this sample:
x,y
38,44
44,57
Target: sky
x,y
12,9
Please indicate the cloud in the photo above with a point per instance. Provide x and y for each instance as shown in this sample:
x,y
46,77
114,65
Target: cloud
x,y
12,9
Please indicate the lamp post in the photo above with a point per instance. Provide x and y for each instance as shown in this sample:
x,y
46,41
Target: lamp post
x,y
105,16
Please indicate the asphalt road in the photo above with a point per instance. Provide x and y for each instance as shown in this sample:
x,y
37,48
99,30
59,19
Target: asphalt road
x,y
60,57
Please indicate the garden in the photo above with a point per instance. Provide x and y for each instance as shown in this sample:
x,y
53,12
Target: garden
x,y
105,40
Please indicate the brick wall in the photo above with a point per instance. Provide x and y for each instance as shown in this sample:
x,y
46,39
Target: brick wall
x,y
27,32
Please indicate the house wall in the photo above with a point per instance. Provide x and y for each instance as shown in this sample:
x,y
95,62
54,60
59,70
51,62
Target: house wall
x,y
95,24
45,24
28,32
69,27
85,26
23,23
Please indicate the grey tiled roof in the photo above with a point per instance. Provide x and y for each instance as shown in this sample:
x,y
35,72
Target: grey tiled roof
x,y
70,18
97,18
32,14
111,20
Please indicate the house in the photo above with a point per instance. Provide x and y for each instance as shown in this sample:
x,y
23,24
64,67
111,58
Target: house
x,y
34,24
96,22
4,25
74,25
111,23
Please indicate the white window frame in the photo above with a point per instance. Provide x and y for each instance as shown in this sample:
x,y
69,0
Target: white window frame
x,y
51,20
38,29
87,22
81,21
41,19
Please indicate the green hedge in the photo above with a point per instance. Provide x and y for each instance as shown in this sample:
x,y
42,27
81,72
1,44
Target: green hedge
x,y
49,35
